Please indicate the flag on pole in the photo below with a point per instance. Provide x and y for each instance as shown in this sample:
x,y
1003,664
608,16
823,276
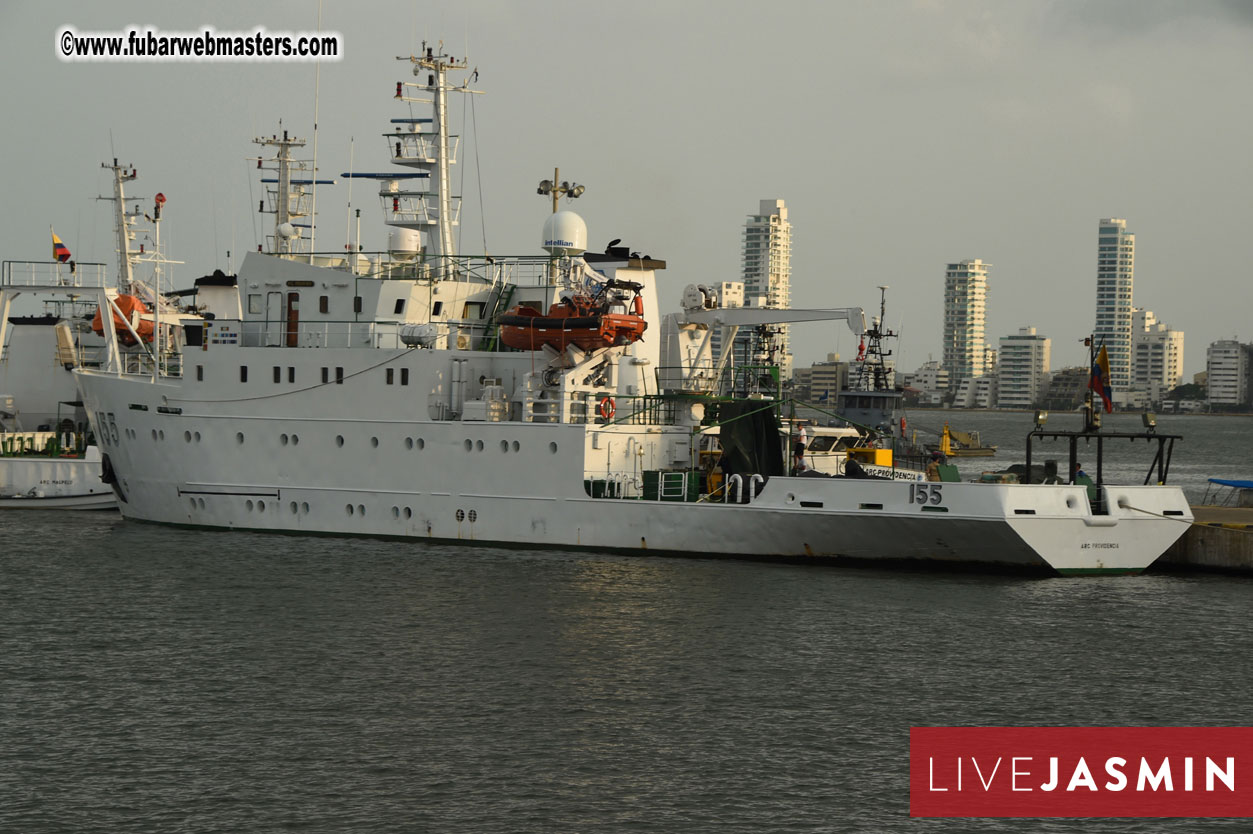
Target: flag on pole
x,y
1099,381
60,252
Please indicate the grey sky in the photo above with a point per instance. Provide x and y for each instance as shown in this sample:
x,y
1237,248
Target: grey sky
x,y
903,135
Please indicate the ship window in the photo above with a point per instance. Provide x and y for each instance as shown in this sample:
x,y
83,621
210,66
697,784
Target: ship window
x,y
339,376
400,306
326,375
324,304
291,374
243,373
390,376
254,302
474,310
200,373
439,305
278,374
404,376
356,304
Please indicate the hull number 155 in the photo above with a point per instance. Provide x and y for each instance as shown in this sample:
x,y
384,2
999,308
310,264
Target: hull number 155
x,y
925,494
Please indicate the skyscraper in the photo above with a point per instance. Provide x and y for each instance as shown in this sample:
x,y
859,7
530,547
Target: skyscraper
x,y
1157,358
1115,273
768,269
1024,369
965,311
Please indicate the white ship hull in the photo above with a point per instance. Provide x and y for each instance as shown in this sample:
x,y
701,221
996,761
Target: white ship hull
x,y
522,484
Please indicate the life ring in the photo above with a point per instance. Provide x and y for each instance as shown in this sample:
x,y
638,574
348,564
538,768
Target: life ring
x,y
606,408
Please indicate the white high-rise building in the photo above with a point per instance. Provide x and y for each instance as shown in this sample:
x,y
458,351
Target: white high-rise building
x,y
768,268
965,310
1024,369
931,380
1227,372
1115,274
730,294
1157,354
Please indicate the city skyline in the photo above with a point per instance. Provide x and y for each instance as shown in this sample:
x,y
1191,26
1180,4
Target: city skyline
x,y
935,132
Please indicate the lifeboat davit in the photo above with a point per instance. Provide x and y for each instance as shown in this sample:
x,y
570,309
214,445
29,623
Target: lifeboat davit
x,y
610,317
134,311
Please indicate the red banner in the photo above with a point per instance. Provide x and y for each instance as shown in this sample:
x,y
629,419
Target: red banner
x,y
1081,772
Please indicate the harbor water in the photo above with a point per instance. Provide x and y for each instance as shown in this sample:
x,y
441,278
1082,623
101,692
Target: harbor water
x,y
156,679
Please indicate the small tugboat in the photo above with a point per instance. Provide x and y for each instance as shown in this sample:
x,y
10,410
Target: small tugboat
x,y
610,314
961,444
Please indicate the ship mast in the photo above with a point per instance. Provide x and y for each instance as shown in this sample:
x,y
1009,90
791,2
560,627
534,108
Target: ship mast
x,y
434,210
288,195
122,222
872,373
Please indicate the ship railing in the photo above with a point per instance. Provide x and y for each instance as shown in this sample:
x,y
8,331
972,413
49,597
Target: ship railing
x,y
140,364
341,333
523,270
52,275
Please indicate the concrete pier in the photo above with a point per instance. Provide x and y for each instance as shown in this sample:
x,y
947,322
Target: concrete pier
x,y
1220,539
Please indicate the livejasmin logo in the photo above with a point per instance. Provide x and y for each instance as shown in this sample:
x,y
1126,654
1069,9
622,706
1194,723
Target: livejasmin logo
x,y
1081,776
1080,771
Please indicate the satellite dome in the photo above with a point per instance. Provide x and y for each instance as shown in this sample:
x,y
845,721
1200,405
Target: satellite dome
x,y
565,233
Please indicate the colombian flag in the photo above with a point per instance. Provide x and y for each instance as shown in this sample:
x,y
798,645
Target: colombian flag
x,y
60,251
1099,382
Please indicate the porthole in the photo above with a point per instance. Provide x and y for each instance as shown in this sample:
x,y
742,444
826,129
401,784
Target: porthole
x,y
469,444
197,436
186,437
201,501
193,503
239,438
408,513
339,440
248,504
282,439
304,506
395,512
295,440
374,441
421,444
478,445
504,445
461,515
294,507
260,506
350,509
154,434
161,434
473,515
552,447
361,509
515,445
408,442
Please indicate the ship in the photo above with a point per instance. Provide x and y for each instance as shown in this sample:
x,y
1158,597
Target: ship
x,y
370,394
961,444
48,456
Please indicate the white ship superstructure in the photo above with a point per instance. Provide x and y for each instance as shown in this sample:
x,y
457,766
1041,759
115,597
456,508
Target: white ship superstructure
x,y
369,395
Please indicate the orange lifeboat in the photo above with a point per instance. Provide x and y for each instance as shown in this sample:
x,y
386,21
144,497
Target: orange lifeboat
x,y
134,310
613,316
